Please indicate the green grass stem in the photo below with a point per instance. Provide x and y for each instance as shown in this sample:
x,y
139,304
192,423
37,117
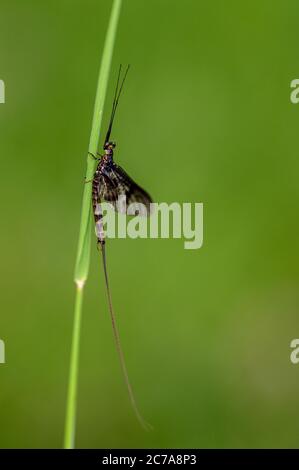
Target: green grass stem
x,y
83,252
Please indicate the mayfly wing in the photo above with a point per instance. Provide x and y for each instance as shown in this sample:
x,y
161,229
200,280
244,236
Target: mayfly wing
x,y
121,184
134,192
107,190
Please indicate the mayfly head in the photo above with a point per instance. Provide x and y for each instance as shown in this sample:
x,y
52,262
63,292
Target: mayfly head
x,y
109,146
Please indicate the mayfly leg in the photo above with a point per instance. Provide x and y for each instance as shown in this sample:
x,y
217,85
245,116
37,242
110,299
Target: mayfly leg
x,y
99,156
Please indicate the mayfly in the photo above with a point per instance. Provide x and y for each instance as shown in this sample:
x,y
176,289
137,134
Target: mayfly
x,y
112,184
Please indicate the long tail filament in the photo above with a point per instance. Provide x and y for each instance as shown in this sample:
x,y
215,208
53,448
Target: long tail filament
x,y
143,423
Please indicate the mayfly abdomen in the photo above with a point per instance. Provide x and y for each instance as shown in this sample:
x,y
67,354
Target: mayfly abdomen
x,y
97,211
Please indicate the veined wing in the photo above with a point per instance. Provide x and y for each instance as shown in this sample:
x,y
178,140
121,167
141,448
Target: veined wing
x,y
123,193
107,190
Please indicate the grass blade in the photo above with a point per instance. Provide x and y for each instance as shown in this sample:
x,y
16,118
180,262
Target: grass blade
x,y
83,252
69,436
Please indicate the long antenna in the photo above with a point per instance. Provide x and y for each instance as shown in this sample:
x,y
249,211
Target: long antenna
x,y
143,423
115,100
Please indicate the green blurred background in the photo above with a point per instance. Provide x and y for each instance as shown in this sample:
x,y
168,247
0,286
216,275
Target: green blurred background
x,y
206,116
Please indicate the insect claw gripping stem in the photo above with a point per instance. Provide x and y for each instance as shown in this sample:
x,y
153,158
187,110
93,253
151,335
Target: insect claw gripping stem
x,y
93,156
